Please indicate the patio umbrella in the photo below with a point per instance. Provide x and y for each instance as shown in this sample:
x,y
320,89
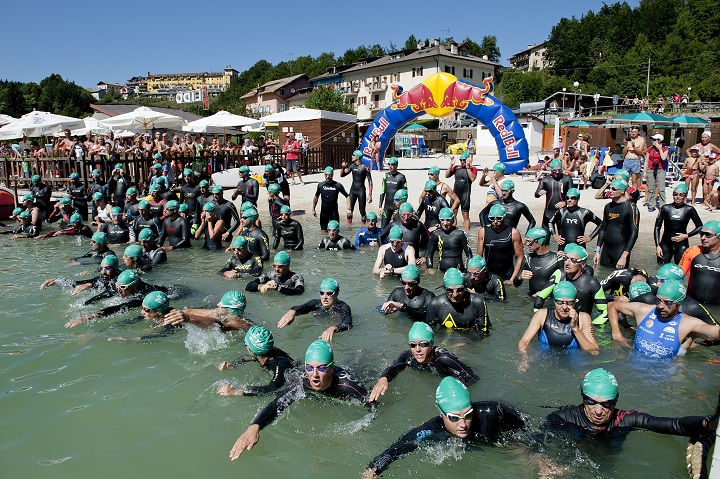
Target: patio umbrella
x,y
221,119
414,127
143,118
580,124
643,118
5,119
92,125
38,123
687,121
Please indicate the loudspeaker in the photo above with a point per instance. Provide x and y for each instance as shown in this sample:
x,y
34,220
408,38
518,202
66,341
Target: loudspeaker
x,y
444,137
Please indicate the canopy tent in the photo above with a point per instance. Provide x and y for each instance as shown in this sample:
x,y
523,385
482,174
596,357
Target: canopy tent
x,y
305,114
143,118
221,120
38,123
5,119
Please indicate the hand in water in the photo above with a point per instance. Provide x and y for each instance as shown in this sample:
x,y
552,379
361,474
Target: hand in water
x,y
227,390
245,442
378,390
225,365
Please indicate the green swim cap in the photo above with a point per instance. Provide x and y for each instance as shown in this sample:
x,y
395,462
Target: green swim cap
x,y
357,154
400,195
115,210
259,340
464,155
681,187
239,242
154,187
109,260
452,395
507,185
574,248
128,277
246,205
333,225
188,172
17,211
430,185
445,214
118,166
285,209
328,170
564,290
35,178
672,290
203,184
30,197
157,301
406,208
411,272
96,196
233,301
320,351
95,173
539,234
65,200
638,288
161,180
282,257
146,234
499,167
329,284
75,218
453,277
555,164
132,191
392,161
434,170
573,192
713,226
371,216
74,176
670,271
245,169
273,188
600,383
173,205
133,251
100,238
622,174
183,208
477,261
216,189
421,331
620,184
209,206
269,167
24,215
143,204
251,214
396,233
497,210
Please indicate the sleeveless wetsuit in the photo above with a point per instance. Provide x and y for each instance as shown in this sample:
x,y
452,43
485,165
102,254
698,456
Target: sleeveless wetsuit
x,y
673,220
292,285
570,224
395,258
557,333
450,247
658,338
514,210
390,185
463,186
415,307
619,231
470,313
499,251
291,233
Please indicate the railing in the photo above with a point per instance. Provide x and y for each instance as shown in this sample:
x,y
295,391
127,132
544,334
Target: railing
x,y
377,86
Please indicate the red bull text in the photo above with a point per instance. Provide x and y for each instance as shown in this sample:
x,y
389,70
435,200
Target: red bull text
x,y
507,136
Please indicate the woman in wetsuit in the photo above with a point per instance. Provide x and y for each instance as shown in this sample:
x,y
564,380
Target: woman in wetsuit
x,y
212,228
289,230
674,219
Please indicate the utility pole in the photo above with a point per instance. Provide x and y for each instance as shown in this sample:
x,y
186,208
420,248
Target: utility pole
x,y
647,87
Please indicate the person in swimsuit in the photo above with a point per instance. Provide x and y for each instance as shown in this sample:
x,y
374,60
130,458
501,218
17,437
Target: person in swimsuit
x,y
493,178
710,169
327,307
358,193
375,146
211,227
392,258
673,220
409,298
691,167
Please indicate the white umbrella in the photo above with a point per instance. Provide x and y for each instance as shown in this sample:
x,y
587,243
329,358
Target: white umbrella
x,y
143,118
125,134
92,125
38,123
5,119
221,119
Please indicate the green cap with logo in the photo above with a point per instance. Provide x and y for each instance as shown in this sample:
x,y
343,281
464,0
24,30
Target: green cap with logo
x,y
115,211
357,154
239,242
216,189
244,169
499,167
406,208
681,188
100,238
564,290
396,233
371,216
400,195
24,215
233,301
75,218
619,184
638,288
245,205
601,384
109,260
17,211
453,277
672,290
421,332
65,200
282,257
539,234
128,277
98,196
452,396
143,204
259,340
333,225
445,214
183,208
203,184
507,185
622,174
713,226
319,351
210,206
154,188
434,170
670,271
35,179
273,188
573,192
496,210
172,205
430,185
329,284
269,168
146,234
251,214
157,301
132,191
574,248
555,164
464,155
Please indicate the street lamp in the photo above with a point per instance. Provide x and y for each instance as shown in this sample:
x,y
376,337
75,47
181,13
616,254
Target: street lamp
x,y
563,100
575,89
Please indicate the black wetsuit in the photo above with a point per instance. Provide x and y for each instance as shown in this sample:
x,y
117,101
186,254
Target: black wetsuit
x,y
390,185
176,231
141,223
258,243
450,247
617,283
274,209
673,220
570,224
78,192
278,176
443,362
415,307
291,232
118,233
62,216
340,243
542,267
250,265
249,190
156,256
328,192
42,194
117,186
132,210
358,193
292,285
557,333
490,420
133,301
470,313
339,311
229,214
396,259
431,207
211,244
200,201
499,251
555,191
278,362
157,208
619,231
493,284
189,195
514,210
95,256
414,233
463,186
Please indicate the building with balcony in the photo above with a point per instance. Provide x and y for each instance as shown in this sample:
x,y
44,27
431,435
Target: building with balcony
x,y
532,58
274,96
168,84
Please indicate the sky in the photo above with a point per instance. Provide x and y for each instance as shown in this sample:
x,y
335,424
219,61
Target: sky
x,y
88,42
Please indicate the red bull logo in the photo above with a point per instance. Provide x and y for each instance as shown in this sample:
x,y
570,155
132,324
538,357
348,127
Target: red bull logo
x,y
418,98
459,94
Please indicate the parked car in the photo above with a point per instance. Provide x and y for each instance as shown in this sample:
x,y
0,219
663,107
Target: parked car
x,y
465,121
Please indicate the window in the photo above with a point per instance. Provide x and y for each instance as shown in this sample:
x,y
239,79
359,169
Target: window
x,y
282,107
420,72
449,69
282,92
397,77
467,72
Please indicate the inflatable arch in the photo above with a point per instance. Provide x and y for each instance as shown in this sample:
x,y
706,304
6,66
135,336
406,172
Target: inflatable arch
x,y
441,94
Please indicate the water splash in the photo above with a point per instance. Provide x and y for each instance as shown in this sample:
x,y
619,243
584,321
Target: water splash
x,y
201,341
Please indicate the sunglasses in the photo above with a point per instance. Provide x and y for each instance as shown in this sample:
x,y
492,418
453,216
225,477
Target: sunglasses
x,y
679,194
609,404
496,218
147,310
372,221
475,273
445,220
575,260
239,249
323,368
420,344
457,417
706,234
326,293
555,171
612,188
570,302
408,283
106,268
332,230
666,302
455,290
573,198
245,217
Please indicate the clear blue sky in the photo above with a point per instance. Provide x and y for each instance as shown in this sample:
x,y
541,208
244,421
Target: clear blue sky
x,y
87,42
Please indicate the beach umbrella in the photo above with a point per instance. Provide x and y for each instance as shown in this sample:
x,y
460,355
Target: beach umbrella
x,y
687,121
222,119
38,123
580,124
126,134
5,119
143,118
643,118
415,127
92,125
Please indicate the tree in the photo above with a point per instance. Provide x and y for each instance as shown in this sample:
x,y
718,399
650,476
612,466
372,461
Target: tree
x,y
411,43
325,98
12,101
489,47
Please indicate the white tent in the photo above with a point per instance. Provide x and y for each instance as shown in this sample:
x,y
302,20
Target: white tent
x,y
38,123
143,118
221,120
305,114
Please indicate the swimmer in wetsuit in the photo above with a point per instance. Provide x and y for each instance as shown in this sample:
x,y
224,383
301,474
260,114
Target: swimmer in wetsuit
x,y
514,209
450,243
154,253
619,230
281,279
25,229
226,210
275,203
211,227
146,219
257,240
118,232
289,230
99,249
79,195
554,187
485,422
673,220
328,192
75,227
260,345
464,176
618,282
109,271
540,264
457,308
392,182
228,315
702,265
61,212
409,298
175,228
334,241
392,258
424,356
569,222
130,209
414,232
155,307
242,263
431,204
498,244
321,376
442,189
358,194
479,281
368,235
328,307
248,187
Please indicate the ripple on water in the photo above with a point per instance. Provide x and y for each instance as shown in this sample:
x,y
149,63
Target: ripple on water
x,y
39,373
52,462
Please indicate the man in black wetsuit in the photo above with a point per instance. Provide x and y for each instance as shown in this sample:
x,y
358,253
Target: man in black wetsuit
x,y
392,258
204,196
42,193
674,218
540,263
242,263
554,187
334,241
117,231
154,253
275,203
156,202
498,244
146,220
78,192
568,223
392,182
61,212
99,249
328,307
618,282
247,188
409,298
450,243
260,346
619,230
328,192
423,355
431,204
225,210
464,176
189,194
514,209
257,240
118,185
282,279
289,230
457,308
414,232
360,173
175,228
75,227
108,273
131,210
321,376
155,307
228,315
479,421
479,280
701,264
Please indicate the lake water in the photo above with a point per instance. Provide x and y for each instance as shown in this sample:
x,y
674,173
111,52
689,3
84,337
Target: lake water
x,y
75,405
